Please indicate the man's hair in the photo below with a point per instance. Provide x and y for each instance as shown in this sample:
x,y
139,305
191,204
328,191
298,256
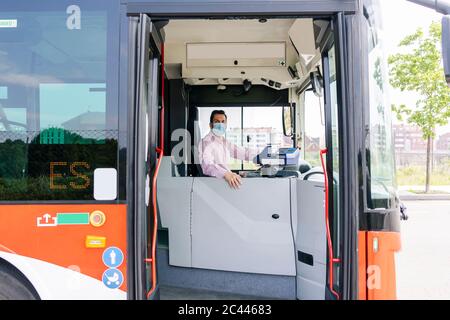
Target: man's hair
x,y
216,112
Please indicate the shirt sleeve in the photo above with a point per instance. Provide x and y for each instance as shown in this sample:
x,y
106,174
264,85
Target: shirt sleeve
x,y
209,167
242,153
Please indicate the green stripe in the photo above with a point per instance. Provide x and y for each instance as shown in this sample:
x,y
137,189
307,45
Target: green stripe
x,y
73,218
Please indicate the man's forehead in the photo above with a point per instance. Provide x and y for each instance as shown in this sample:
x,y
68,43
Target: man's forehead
x,y
219,117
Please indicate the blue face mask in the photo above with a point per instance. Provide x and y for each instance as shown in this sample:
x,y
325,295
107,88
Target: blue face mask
x,y
219,129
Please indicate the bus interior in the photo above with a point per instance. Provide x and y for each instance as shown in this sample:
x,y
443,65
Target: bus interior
x,y
268,239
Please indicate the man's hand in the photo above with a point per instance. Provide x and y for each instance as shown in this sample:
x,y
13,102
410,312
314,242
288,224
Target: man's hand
x,y
233,179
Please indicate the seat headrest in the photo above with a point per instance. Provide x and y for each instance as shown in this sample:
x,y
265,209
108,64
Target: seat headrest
x,y
304,166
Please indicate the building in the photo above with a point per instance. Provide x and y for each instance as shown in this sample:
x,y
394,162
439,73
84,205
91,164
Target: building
x,y
411,147
443,142
258,137
408,138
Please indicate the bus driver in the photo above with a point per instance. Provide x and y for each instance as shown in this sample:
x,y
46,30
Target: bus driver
x,y
215,151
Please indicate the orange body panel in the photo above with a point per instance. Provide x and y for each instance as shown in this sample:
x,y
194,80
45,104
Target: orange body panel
x,y
377,257
362,267
63,245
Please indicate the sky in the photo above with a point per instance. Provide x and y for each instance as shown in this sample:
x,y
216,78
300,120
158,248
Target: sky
x,y
402,18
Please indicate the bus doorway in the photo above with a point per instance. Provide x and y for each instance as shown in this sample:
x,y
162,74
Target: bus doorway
x,y
275,237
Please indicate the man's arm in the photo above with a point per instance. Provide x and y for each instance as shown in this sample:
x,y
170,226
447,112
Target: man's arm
x,y
242,153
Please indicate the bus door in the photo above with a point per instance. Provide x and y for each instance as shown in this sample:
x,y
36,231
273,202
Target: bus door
x,y
322,273
145,56
331,157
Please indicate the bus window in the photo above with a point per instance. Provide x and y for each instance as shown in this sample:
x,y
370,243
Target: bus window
x,y
58,110
263,126
234,127
252,127
381,184
334,146
314,128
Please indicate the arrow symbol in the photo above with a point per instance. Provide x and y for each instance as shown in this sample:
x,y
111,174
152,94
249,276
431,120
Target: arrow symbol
x,y
46,221
47,217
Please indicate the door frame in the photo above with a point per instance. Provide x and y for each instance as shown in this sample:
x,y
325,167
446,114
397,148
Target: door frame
x,y
349,199
143,95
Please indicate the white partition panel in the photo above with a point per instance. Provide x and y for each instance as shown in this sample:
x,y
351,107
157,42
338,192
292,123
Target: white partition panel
x,y
238,230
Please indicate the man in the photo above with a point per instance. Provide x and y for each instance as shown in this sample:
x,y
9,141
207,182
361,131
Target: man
x,y
215,151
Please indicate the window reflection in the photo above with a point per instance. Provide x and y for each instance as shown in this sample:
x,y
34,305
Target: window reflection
x,y
56,125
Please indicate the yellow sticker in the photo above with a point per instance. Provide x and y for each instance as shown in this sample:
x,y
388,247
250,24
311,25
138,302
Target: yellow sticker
x,y
95,242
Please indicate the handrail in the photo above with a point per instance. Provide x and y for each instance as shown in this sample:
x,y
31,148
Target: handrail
x,y
160,154
331,259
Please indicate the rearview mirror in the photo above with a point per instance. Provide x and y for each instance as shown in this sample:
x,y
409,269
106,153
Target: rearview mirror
x,y
288,117
316,82
446,46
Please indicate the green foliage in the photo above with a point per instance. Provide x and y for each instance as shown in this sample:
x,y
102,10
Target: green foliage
x,y
25,168
420,70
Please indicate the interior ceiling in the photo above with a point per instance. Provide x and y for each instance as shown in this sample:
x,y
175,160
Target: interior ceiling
x,y
227,30
180,32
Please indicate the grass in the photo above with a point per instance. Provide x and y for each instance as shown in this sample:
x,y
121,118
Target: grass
x,y
429,192
415,175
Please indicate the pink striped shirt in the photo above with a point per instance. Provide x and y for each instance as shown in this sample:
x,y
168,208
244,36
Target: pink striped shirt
x,y
216,152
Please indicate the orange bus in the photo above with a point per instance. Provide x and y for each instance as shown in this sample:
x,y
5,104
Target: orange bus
x,y
103,104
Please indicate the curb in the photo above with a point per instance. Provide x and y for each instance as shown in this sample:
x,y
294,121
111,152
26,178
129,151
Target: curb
x,y
412,197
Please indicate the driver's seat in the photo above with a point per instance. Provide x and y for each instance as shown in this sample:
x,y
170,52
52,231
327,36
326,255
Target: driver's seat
x,y
194,169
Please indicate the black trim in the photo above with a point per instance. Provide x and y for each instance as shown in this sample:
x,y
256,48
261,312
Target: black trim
x,y
305,258
259,95
261,8
139,172
132,70
329,144
348,278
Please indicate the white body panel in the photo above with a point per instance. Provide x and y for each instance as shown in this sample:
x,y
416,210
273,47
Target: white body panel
x,y
53,282
174,203
233,230
310,238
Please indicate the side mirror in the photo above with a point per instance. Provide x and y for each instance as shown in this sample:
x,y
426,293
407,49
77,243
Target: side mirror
x,y
446,46
317,82
288,123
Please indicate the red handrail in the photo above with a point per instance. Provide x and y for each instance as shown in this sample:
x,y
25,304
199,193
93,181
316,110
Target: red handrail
x,y
160,154
331,259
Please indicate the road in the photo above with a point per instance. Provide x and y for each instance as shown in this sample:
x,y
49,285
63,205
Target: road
x,y
423,265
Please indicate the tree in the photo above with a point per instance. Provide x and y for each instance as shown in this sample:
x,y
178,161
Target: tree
x,y
420,70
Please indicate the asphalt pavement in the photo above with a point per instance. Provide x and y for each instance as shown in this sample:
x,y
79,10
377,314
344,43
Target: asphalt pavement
x,y
423,264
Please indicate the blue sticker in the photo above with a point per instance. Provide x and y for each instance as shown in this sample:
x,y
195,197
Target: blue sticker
x,y
112,257
112,278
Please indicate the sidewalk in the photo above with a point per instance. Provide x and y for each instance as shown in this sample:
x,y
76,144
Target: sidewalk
x,y
438,193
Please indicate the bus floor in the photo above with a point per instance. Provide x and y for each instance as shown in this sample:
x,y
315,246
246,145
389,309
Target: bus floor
x,y
177,293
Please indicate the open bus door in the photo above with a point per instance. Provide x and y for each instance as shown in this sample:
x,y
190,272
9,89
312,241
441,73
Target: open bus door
x,y
145,55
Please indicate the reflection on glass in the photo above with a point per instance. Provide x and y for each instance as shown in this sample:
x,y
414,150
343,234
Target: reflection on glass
x,y
381,161
250,127
314,128
55,125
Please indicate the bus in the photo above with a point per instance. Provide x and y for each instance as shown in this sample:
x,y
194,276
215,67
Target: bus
x,y
103,105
